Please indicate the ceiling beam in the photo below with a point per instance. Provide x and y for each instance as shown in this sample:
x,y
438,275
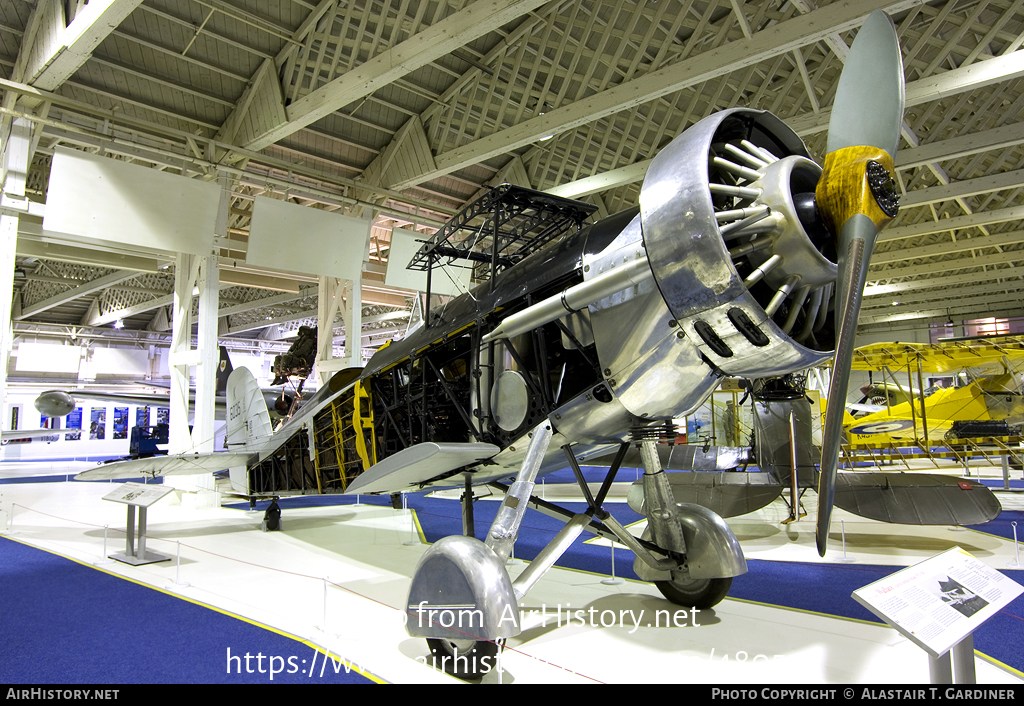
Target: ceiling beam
x,y
33,247
980,310
58,51
602,182
81,290
777,39
937,266
993,277
309,291
432,43
996,138
955,223
963,189
879,304
94,318
976,306
948,247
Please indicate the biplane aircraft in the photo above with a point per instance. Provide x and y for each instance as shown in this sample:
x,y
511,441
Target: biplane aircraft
x,y
583,342
987,403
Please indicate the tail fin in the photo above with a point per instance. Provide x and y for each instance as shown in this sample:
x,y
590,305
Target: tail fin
x,y
248,418
223,371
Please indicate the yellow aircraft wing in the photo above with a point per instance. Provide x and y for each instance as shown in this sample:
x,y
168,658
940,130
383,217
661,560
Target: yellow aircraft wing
x,y
983,356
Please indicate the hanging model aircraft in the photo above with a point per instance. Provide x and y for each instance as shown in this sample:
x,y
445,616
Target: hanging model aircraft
x,y
989,404
60,403
583,343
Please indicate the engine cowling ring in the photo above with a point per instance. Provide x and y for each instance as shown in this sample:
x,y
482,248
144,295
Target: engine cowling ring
x,y
728,249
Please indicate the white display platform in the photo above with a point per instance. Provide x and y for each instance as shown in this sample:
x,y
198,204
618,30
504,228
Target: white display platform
x,y
361,551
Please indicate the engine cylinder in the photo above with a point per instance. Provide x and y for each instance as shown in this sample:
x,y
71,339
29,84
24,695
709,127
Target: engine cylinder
x,y
723,220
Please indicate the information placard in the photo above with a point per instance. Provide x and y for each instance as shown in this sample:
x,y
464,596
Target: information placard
x,y
138,494
941,600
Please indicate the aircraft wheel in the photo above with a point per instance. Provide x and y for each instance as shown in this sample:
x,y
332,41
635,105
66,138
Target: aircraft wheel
x,y
465,659
695,593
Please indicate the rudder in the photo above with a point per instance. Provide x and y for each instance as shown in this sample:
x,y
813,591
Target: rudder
x,y
248,418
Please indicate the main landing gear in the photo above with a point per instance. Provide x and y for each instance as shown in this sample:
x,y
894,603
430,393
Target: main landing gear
x,y
462,600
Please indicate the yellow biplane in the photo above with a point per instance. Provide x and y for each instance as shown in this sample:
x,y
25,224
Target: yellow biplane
x,y
985,400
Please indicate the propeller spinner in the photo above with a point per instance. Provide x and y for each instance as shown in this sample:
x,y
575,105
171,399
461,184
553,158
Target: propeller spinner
x,y
856,197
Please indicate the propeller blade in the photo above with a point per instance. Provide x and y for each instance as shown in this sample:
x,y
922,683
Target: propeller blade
x,y
856,197
868,108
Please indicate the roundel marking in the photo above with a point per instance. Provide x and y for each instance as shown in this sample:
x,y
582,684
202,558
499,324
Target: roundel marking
x,y
883,427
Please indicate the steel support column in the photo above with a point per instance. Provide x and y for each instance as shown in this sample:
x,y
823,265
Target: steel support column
x,y
13,175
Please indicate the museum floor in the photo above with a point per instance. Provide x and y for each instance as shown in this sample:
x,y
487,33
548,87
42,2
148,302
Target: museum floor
x,y
336,579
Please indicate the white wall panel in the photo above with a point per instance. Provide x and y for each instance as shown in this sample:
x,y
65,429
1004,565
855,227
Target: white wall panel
x,y
45,357
296,238
404,244
119,361
94,199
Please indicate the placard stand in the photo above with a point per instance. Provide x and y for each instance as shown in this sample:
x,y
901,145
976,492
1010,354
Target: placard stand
x,y
141,496
938,604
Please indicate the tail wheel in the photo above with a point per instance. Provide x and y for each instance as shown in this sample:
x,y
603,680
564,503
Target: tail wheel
x,y
695,593
465,659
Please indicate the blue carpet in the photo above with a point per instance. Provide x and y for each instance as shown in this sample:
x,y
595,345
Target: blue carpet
x,y
66,623
997,484
1002,526
820,588
33,581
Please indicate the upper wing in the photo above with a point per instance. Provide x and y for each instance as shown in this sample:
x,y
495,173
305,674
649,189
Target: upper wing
x,y
983,356
178,465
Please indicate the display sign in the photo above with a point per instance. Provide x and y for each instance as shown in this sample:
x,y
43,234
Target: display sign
x,y
106,203
120,422
138,494
940,601
74,421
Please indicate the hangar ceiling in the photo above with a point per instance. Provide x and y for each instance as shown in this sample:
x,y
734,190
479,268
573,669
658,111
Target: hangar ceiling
x,y
403,110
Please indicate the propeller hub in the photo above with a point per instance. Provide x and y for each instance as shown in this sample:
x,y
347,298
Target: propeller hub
x,y
810,258
849,185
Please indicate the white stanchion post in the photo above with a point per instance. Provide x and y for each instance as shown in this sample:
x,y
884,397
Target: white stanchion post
x,y
613,581
1016,548
178,583
845,559
104,559
501,650
322,628
10,521
414,538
